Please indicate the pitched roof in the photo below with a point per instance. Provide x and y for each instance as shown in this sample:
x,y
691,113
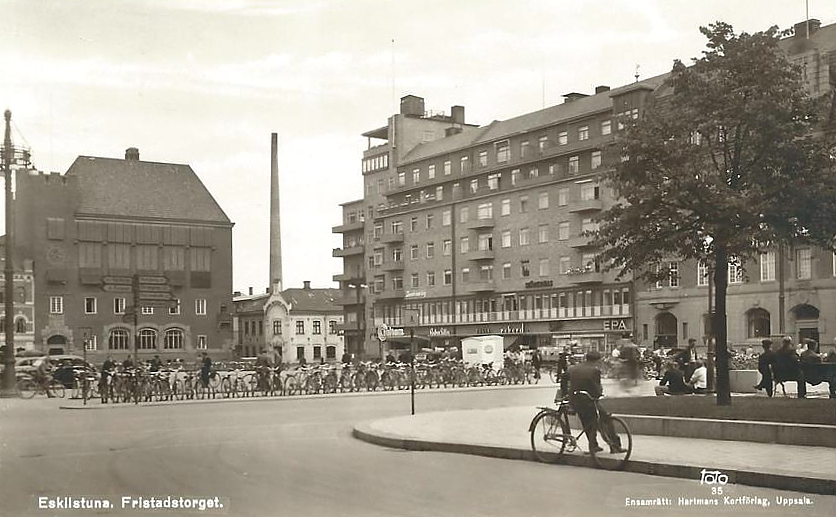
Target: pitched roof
x,y
134,188
312,300
499,129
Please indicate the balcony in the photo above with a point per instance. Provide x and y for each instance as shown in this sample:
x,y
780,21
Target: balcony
x,y
580,242
348,277
345,252
348,227
590,205
481,224
481,287
350,299
393,266
350,326
580,276
481,255
391,294
389,238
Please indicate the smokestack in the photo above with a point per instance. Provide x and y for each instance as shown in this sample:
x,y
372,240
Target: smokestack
x,y
275,218
132,154
307,284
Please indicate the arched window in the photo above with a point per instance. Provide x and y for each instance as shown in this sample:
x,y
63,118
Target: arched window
x,y
119,339
20,326
806,312
20,294
758,323
666,329
147,339
173,339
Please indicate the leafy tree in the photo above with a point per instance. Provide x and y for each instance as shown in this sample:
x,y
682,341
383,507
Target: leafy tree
x,y
731,156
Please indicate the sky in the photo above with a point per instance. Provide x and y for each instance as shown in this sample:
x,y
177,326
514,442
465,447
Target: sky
x,y
205,83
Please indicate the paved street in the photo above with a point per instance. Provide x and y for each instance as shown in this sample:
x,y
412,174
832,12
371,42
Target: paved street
x,y
297,457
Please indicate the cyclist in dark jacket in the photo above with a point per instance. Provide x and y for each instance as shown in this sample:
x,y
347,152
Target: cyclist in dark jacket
x,y
586,377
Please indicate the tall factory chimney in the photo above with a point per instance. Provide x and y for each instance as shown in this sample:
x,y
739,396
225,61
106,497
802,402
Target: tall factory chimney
x,y
275,218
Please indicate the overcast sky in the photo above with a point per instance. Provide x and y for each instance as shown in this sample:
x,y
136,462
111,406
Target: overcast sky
x,y
205,82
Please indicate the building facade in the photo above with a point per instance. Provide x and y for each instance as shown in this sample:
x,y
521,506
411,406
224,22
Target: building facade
x,y
290,325
128,255
24,302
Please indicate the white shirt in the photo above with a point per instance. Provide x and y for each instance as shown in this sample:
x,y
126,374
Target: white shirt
x,y
699,379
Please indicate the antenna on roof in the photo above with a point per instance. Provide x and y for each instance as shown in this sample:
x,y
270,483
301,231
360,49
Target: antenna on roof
x,y
636,75
394,106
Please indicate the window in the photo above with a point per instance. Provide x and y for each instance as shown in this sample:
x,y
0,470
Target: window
x,y
465,275
200,307
606,127
413,281
147,311
202,342
803,264
523,204
173,339
300,327
118,306
486,273
543,233
543,201
533,172
485,242
563,197
574,163
735,271
564,264
439,193
446,247
544,267
758,323
317,352
430,250
595,160
463,213
332,327
430,278
493,181
524,149
147,339
431,171
401,179
447,168
448,277
317,327
413,252
463,164
413,224
542,143
464,245
588,225
174,309
673,268
563,231
397,282
583,133
445,218
562,138
377,258
506,271
484,211
502,151
90,305
702,274
277,327
590,191
378,231
525,238
474,185
119,339
505,207
483,158
768,266
525,268
56,305
300,352
430,221
397,227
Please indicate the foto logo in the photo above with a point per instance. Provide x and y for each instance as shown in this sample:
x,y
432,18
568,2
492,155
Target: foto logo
x,y
713,477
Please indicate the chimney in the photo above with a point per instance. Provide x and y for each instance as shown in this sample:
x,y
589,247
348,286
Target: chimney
x,y
453,130
236,294
251,291
275,218
801,28
307,285
457,112
573,96
601,89
132,154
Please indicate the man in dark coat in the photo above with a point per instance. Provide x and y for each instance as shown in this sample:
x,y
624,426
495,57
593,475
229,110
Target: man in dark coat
x,y
536,363
586,377
766,362
787,368
673,381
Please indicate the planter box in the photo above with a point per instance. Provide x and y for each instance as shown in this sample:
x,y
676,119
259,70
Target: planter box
x,y
743,381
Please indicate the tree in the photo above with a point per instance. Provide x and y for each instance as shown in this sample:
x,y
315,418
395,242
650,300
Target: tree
x,y
730,156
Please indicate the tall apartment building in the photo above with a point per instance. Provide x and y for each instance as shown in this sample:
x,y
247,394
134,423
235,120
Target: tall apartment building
x,y
674,310
478,228
92,232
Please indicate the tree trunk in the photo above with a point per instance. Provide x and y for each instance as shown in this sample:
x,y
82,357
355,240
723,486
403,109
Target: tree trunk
x,y
721,281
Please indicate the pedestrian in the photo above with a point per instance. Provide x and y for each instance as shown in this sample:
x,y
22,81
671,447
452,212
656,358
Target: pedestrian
x,y
205,369
766,362
673,381
686,358
787,367
536,362
104,381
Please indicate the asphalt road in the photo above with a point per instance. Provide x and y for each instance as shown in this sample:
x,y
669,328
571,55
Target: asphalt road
x,y
297,457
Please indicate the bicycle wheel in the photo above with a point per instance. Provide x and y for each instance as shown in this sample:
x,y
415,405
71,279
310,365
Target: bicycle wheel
x,y
291,385
214,381
550,433
614,457
26,387
553,375
57,389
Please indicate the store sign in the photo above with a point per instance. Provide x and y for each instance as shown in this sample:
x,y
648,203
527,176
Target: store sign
x,y
536,284
385,332
415,294
615,325
439,332
513,328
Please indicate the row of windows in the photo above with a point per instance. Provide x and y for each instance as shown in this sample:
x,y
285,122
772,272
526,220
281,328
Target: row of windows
x,y
330,352
146,257
251,327
56,306
147,339
803,269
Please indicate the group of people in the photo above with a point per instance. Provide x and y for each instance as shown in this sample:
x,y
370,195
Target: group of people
x,y
684,373
786,364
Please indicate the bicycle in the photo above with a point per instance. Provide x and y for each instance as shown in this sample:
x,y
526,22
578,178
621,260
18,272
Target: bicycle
x,y
28,387
551,436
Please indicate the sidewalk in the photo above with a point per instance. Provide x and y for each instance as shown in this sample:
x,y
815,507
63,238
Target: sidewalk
x,y
503,433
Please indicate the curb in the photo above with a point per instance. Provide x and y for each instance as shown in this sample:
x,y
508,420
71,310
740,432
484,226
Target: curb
x,y
364,432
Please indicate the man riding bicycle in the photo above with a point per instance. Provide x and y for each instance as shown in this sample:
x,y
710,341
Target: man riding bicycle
x,y
263,364
43,374
584,389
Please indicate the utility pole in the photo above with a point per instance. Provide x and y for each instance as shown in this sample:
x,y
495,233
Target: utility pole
x,y
8,386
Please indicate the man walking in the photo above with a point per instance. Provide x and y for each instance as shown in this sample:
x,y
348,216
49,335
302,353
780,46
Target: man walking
x,y
766,361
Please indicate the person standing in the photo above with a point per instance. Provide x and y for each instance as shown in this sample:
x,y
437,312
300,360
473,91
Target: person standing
x,y
205,369
766,361
787,367
536,362
104,381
